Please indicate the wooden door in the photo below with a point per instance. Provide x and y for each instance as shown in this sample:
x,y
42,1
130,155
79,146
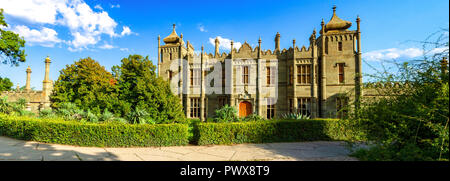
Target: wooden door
x,y
245,109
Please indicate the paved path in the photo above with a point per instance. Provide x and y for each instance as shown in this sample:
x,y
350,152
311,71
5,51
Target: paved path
x,y
12,149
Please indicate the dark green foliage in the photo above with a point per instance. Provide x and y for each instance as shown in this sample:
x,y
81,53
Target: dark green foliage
x,y
411,122
276,131
140,89
226,114
5,84
87,84
11,45
89,134
295,116
12,107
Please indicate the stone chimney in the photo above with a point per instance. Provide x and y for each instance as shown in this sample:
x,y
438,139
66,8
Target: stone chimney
x,y
27,87
46,85
277,41
217,47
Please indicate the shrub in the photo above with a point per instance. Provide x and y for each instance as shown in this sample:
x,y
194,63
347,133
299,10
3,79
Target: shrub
x,y
108,134
277,131
295,116
46,113
226,114
253,117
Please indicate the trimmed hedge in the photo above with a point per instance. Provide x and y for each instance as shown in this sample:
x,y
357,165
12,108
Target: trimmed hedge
x,y
93,134
276,131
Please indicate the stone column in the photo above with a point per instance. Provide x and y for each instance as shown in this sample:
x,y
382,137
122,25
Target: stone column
x,y
277,42
46,85
159,55
202,87
229,65
27,87
295,77
258,80
216,52
323,86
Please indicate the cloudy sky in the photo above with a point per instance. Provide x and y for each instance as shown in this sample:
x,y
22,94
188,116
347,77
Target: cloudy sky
x,y
109,30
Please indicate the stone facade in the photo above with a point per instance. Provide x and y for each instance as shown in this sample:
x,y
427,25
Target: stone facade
x,y
315,80
36,100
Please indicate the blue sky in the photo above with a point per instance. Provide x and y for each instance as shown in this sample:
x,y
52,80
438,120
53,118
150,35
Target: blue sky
x,y
109,30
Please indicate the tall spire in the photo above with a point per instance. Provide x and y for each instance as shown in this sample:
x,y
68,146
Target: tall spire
x,y
216,52
277,41
27,86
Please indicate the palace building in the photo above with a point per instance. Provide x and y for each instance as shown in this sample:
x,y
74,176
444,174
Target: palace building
x,y
318,80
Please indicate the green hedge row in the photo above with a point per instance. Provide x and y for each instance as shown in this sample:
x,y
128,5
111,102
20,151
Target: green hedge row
x,y
93,134
277,131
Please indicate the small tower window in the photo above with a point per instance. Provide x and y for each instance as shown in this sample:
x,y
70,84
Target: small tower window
x,y
341,72
170,56
245,75
340,46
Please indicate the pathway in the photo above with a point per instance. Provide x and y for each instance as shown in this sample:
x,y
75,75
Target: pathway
x,y
12,149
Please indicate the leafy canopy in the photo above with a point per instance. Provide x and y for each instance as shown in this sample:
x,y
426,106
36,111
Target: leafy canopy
x,y
87,84
5,84
140,89
11,45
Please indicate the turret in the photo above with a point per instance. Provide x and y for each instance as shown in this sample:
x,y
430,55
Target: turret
x,y
216,52
27,86
277,42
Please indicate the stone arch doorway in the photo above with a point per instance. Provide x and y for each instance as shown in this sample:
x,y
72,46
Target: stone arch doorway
x,y
245,109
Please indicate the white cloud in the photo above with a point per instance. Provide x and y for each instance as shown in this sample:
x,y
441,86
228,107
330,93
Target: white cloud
x,y
115,6
85,25
392,53
225,43
98,7
45,37
202,28
35,11
124,49
107,46
126,31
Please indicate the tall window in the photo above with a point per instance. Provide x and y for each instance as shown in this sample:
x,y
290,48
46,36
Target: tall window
x,y
245,75
195,77
304,74
170,56
341,72
341,107
223,77
195,107
340,46
291,105
291,75
270,108
270,76
222,101
304,106
170,75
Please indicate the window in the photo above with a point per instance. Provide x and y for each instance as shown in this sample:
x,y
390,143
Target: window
x,y
170,56
270,108
291,105
222,101
341,107
326,45
304,106
304,74
245,75
195,77
223,77
291,75
195,107
270,76
340,46
341,72
170,75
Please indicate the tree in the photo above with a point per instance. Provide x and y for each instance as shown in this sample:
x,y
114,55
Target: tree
x,y
411,121
140,89
87,84
11,45
5,84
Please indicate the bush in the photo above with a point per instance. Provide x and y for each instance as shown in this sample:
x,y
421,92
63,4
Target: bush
x,y
226,114
60,131
277,131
